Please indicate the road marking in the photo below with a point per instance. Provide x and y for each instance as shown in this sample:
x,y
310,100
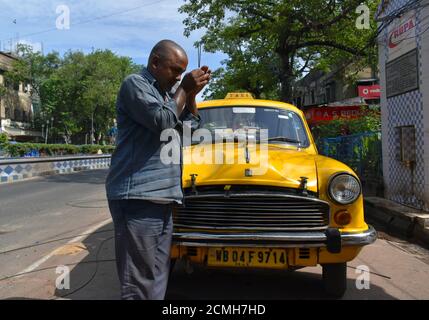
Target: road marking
x,y
36,264
70,249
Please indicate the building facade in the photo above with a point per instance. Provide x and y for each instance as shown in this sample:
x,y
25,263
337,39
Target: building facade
x,y
404,78
16,111
327,96
320,88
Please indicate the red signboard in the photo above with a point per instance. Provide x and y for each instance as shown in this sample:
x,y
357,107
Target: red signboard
x,y
314,115
401,32
369,92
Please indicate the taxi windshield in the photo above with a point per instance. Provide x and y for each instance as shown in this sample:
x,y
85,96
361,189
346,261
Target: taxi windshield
x,y
283,126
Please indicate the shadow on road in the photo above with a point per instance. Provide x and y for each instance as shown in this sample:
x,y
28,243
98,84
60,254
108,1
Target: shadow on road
x,y
259,285
89,176
94,278
91,280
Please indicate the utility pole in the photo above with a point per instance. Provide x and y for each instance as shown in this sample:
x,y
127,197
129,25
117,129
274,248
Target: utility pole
x,y
52,126
92,128
47,131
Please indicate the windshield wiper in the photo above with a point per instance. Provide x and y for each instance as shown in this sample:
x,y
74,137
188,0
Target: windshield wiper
x,y
236,139
284,139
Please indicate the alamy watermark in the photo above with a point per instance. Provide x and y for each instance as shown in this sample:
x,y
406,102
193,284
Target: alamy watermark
x,y
217,147
63,20
363,278
63,280
363,20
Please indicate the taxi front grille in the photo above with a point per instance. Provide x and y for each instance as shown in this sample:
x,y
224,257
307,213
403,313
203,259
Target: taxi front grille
x,y
252,212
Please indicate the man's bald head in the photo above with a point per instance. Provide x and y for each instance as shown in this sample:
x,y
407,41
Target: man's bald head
x,y
165,49
167,62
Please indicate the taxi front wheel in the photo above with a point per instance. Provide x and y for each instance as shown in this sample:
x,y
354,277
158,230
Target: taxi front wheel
x,y
335,279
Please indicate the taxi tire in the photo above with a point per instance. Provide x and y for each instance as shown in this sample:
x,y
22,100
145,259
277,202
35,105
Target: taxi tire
x,y
172,264
335,279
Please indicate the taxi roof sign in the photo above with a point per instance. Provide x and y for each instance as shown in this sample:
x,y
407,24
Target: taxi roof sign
x,y
239,95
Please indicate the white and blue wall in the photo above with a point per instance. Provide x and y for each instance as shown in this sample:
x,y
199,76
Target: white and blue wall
x,y
12,170
404,183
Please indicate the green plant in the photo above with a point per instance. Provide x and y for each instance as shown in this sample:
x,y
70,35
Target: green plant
x,y
369,122
3,139
21,149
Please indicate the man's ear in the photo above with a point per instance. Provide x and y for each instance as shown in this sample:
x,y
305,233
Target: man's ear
x,y
155,62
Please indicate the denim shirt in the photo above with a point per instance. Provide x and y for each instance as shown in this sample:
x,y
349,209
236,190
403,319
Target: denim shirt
x,y
143,112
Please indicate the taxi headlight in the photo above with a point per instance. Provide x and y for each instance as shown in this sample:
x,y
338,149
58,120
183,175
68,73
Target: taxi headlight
x,y
344,188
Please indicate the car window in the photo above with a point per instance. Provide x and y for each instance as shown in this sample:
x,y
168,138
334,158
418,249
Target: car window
x,y
279,122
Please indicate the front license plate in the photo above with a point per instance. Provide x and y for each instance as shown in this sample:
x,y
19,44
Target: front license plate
x,y
247,257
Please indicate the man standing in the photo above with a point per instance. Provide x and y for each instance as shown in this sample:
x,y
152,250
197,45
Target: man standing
x,y
141,188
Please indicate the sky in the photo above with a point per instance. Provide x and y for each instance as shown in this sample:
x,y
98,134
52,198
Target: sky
x,y
127,27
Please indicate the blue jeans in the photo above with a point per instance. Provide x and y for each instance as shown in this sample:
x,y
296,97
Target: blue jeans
x,y
143,233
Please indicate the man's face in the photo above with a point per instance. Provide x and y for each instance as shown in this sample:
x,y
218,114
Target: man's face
x,y
168,70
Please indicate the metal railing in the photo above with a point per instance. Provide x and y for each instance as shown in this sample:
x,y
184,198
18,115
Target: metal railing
x,y
361,152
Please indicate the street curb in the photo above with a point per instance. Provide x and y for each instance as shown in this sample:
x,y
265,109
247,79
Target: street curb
x,y
13,170
398,219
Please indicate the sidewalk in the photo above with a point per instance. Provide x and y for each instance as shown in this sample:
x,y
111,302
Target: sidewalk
x,y
400,220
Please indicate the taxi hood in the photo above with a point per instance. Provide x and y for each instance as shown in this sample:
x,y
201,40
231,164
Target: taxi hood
x,y
232,165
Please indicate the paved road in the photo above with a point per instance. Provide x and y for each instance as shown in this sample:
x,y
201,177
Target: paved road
x,y
64,220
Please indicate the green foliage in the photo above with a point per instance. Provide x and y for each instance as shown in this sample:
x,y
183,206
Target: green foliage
x,y
2,91
252,70
361,152
21,149
77,90
3,139
356,142
369,122
271,43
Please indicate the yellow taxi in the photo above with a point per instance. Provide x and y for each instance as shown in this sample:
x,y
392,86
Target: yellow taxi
x,y
258,194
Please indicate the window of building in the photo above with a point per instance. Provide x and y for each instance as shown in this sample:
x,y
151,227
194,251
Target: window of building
x,y
7,112
17,115
299,102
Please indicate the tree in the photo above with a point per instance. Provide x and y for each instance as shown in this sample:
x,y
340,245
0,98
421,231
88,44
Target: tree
x,y
105,74
2,92
253,70
33,68
293,35
77,91
83,92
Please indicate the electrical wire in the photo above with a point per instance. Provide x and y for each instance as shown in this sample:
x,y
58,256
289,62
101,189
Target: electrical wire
x,y
387,20
96,261
380,29
54,267
371,272
382,42
93,274
51,241
91,20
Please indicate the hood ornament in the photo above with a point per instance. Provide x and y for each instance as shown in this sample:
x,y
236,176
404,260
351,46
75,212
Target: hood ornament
x,y
193,183
303,186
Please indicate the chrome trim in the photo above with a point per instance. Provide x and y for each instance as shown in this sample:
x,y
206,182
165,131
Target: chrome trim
x,y
283,239
253,194
241,228
332,177
249,245
249,195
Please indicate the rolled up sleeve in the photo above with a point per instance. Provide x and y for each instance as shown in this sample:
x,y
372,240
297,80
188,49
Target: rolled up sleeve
x,y
188,118
144,107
